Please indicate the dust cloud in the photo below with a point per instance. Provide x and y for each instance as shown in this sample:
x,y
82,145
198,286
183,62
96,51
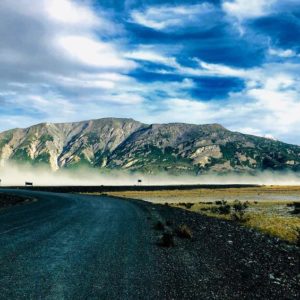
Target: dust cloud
x,y
17,175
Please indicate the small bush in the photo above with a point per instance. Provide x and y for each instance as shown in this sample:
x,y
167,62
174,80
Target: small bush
x,y
159,226
186,205
183,231
238,206
167,240
296,210
214,210
239,217
224,209
205,209
239,211
189,205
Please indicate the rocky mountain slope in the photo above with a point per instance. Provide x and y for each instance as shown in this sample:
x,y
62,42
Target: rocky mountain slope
x,y
112,143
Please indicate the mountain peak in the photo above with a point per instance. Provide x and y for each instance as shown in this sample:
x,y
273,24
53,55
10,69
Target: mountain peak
x,y
123,143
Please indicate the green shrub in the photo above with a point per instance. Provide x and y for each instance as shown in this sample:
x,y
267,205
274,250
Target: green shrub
x,y
239,206
239,211
224,209
189,205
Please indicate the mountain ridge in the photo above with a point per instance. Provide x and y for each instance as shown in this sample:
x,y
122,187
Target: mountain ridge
x,y
124,143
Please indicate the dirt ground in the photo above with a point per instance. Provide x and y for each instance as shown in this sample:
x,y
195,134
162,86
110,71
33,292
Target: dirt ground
x,y
270,209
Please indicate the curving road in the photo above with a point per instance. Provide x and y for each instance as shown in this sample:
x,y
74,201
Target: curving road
x,y
67,246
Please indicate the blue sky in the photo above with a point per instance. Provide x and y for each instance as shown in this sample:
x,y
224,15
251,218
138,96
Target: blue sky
x,y
233,62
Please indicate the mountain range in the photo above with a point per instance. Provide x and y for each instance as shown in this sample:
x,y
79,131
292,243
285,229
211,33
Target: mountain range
x,y
126,144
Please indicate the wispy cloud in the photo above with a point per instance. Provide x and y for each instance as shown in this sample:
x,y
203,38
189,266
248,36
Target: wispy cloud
x,y
244,9
283,52
170,18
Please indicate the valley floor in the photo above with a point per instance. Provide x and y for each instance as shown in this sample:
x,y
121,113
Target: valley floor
x,y
271,209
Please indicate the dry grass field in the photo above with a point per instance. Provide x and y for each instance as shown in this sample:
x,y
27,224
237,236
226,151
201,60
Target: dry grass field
x,y
270,193
270,209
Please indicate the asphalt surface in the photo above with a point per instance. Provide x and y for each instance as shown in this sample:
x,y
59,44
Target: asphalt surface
x,y
66,246
74,247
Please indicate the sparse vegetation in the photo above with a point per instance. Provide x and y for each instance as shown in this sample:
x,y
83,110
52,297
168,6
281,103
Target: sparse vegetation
x,y
187,205
223,208
239,211
183,231
275,225
277,218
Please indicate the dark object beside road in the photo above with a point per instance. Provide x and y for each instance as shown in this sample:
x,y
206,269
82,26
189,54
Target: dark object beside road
x,y
7,200
183,231
159,226
167,240
296,210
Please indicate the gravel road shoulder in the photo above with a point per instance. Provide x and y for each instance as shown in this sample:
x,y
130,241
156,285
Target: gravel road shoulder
x,y
224,260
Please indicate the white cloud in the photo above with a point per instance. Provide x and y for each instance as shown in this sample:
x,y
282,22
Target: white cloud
x,y
57,55
166,17
269,104
220,70
63,36
92,52
201,68
93,81
64,11
147,53
282,52
247,9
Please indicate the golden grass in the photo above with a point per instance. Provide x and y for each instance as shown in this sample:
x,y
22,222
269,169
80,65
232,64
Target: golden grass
x,y
196,195
262,218
280,226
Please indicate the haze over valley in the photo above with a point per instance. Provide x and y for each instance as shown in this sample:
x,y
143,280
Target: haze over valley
x,y
115,151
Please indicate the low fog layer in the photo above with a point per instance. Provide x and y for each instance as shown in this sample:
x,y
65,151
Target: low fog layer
x,y
14,175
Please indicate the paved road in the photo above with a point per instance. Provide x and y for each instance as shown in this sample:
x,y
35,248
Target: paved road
x,y
68,246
